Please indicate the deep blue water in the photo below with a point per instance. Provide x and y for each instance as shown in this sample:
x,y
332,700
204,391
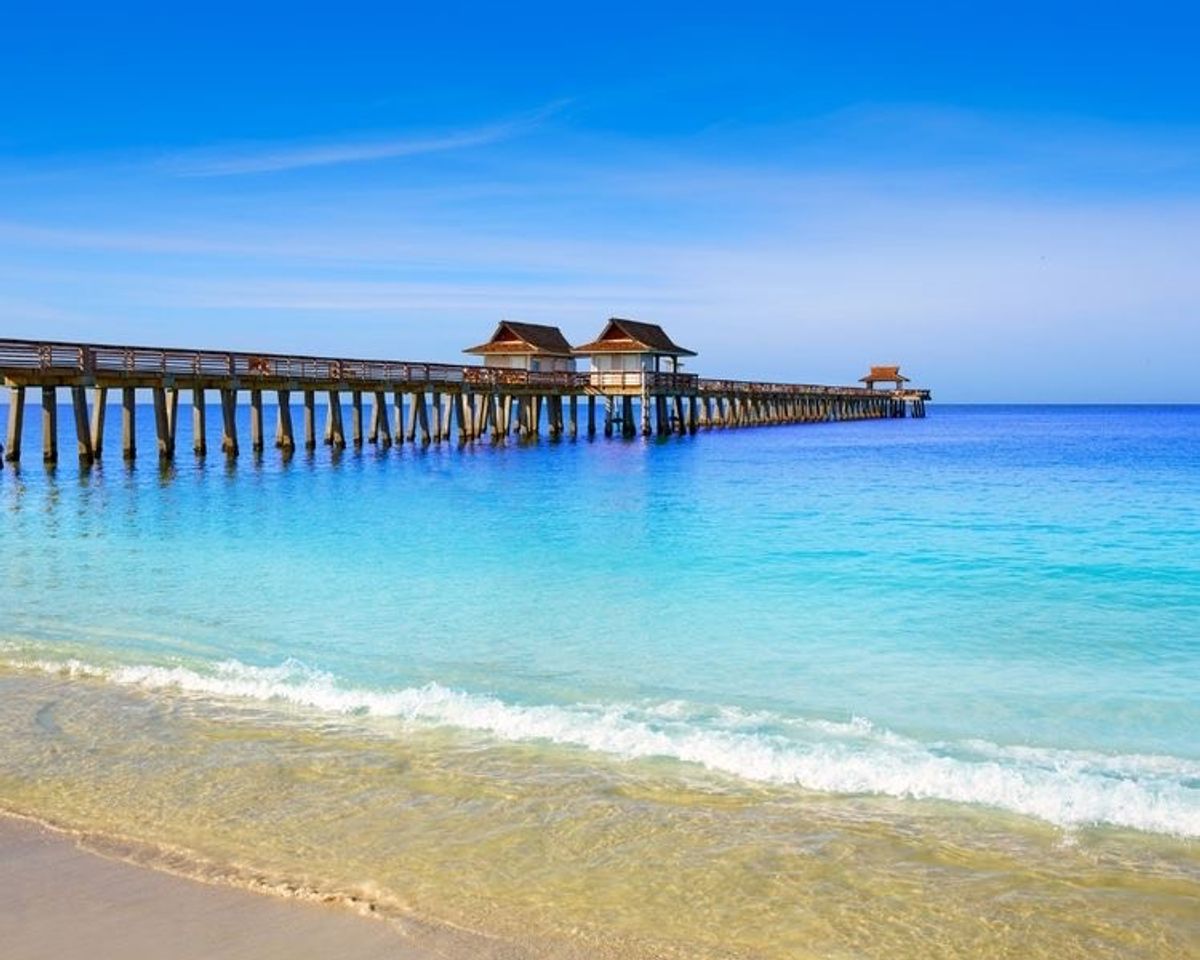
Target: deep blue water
x,y
995,605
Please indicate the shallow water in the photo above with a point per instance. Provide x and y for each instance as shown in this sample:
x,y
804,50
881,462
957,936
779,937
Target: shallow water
x,y
877,689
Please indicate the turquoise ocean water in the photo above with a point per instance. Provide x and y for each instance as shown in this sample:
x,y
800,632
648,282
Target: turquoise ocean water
x,y
996,606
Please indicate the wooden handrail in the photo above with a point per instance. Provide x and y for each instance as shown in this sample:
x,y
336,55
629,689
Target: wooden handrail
x,y
97,359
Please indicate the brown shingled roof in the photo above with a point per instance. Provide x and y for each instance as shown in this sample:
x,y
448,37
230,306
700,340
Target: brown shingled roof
x,y
512,337
632,336
883,374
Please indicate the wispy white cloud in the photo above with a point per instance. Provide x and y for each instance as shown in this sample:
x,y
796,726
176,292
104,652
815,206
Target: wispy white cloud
x,y
275,157
775,267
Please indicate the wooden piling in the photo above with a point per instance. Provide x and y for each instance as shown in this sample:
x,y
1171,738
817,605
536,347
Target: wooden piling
x,y
16,423
162,429
628,430
356,418
423,418
49,425
459,412
573,416
310,420
466,429
380,432
447,415
504,426
128,423
335,434
99,408
229,436
284,437
83,436
172,398
398,416
489,416
410,432
199,423
256,421
435,403
524,416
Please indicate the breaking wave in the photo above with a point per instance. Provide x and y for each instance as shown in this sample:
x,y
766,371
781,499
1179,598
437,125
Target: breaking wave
x,y
1069,788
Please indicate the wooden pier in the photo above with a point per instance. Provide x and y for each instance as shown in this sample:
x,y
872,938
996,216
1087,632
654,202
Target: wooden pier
x,y
409,402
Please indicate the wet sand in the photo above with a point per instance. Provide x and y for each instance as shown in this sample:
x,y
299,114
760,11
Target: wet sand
x,y
58,902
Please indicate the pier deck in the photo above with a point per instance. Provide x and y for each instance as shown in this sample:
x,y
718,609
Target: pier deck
x,y
428,400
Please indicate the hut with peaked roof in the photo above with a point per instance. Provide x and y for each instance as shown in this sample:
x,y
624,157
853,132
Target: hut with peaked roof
x,y
632,346
526,346
884,375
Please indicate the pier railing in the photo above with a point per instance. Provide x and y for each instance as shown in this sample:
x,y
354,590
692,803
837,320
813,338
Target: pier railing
x,y
481,399
70,362
120,361
125,362
712,386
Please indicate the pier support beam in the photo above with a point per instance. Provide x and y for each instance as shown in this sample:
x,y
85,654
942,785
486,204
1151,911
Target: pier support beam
x,y
128,423
440,412
381,433
591,416
398,416
256,421
285,440
16,423
83,436
573,416
423,419
172,415
356,418
474,415
229,437
462,415
310,420
489,416
199,423
162,425
49,425
504,424
609,404
628,430
452,413
446,411
335,434
99,408
418,418
524,416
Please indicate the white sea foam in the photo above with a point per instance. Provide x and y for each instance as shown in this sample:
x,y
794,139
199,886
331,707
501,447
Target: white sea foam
x,y
1065,787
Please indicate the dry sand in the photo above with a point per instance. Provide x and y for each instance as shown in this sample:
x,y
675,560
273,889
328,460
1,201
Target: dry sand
x,y
60,902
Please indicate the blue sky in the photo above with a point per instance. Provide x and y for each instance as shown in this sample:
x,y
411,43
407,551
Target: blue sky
x,y
1005,199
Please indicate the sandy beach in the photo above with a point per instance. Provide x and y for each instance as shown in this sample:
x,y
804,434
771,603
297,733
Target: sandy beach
x,y
59,901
